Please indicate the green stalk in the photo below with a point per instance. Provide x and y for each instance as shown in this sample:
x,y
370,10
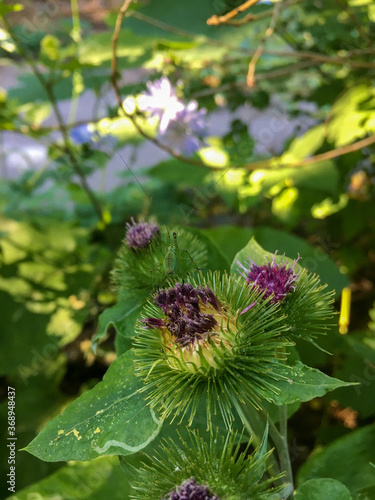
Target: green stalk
x,y
77,74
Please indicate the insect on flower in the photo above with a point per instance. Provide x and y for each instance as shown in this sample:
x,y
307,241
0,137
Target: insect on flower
x,y
172,260
152,255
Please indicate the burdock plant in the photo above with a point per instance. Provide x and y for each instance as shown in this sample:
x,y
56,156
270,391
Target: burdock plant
x,y
151,254
301,296
214,469
207,348
200,338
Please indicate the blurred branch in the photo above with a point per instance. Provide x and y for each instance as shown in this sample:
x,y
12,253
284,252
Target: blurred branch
x,y
257,17
250,79
338,60
329,155
265,75
132,118
216,20
62,127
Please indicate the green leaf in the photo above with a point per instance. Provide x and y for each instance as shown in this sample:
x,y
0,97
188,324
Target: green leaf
x,y
5,9
174,171
229,239
217,261
254,252
317,489
322,176
302,383
111,418
305,146
94,480
352,115
121,317
50,47
348,460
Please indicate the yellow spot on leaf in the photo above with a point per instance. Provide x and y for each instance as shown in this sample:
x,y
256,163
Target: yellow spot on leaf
x,y
60,432
97,430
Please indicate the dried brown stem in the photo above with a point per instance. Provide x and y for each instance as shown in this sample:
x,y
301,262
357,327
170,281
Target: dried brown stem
x,y
328,155
216,20
250,79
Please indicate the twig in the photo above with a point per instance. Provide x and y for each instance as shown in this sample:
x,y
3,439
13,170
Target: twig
x,y
216,20
339,60
329,155
132,118
250,79
265,75
257,17
62,127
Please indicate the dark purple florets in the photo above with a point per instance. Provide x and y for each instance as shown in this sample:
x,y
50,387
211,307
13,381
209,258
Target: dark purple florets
x,y
272,278
140,234
190,490
182,308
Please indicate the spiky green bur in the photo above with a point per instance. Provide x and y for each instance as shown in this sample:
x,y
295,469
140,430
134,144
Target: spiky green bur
x,y
168,256
300,294
194,341
218,466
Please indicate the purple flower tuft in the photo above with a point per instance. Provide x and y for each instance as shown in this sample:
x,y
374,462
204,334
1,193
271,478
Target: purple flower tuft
x,y
140,234
190,490
182,306
274,279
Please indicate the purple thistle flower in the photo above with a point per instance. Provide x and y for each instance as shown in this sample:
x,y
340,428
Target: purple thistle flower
x,y
187,129
190,490
182,305
140,234
274,279
161,101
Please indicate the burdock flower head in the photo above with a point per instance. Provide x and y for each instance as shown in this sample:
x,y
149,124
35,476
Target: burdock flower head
x,y
275,280
197,469
140,234
151,255
301,296
193,341
189,489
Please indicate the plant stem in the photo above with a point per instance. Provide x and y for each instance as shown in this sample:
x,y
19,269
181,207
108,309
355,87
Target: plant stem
x,y
281,443
62,127
77,74
246,423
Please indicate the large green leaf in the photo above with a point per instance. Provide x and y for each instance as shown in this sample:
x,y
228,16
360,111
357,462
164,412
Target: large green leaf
x,y
111,418
122,317
303,383
317,489
349,460
174,171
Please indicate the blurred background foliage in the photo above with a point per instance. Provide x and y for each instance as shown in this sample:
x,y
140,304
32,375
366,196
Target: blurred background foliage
x,y
304,188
